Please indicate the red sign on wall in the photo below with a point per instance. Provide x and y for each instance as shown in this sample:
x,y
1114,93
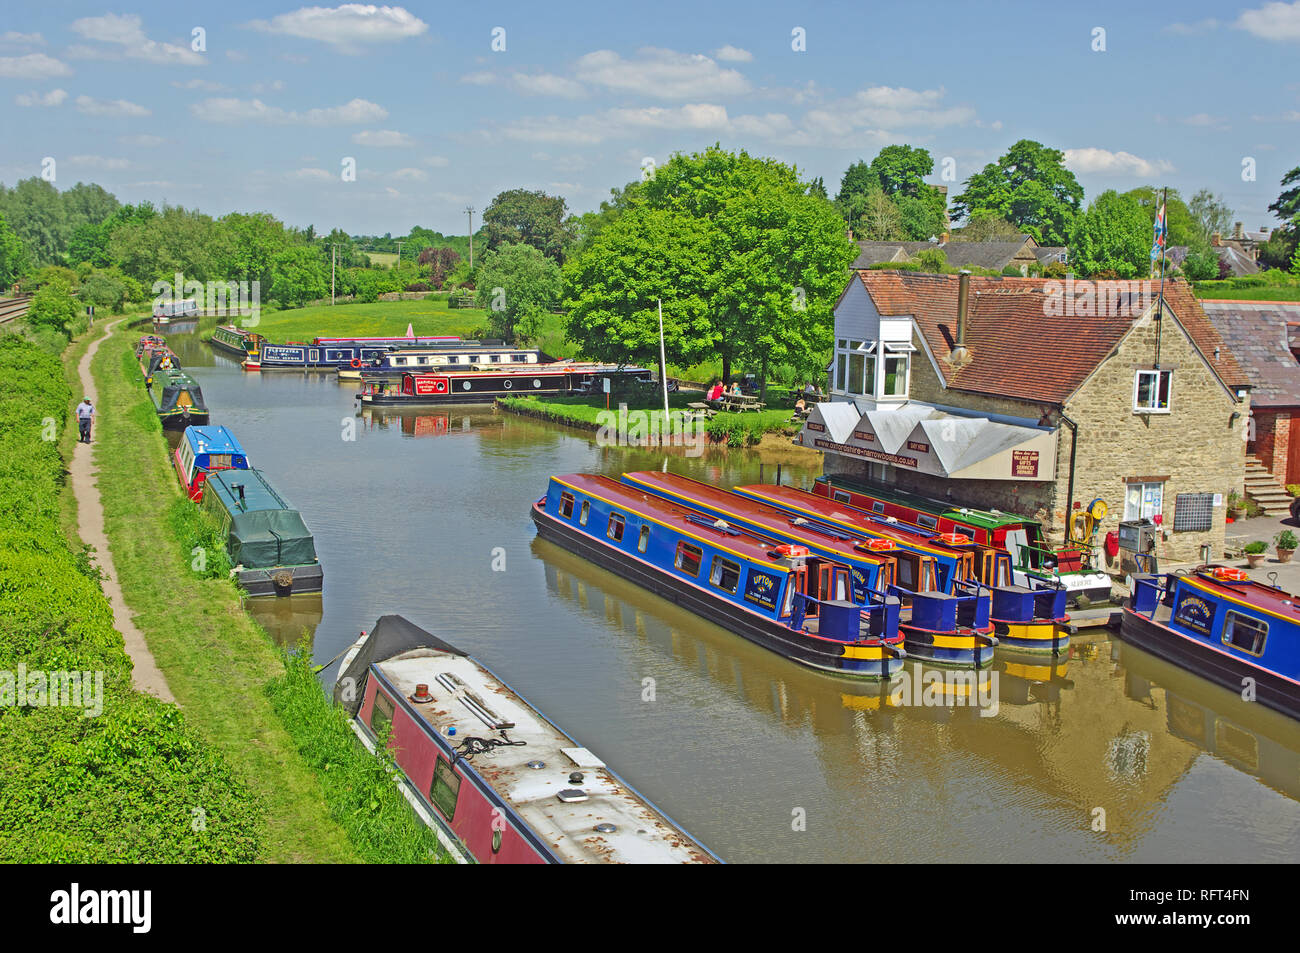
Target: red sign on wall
x,y
865,436
918,446
1024,463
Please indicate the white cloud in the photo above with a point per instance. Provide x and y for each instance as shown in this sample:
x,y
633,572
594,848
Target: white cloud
x,y
1205,120
1193,29
383,139
529,84
436,162
113,108
275,86
597,127
1272,21
410,175
733,54
98,162
254,110
54,97
143,139
663,74
126,33
14,38
238,56
347,27
204,84
32,66
900,107
1103,162
312,175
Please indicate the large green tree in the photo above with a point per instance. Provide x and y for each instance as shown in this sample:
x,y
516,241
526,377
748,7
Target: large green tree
x,y
1287,206
1112,238
177,240
517,285
1029,187
748,265
14,260
298,275
35,212
255,239
1211,213
518,216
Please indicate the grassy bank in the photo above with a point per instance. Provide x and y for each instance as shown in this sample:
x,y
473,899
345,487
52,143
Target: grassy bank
x,y
218,662
1272,285
117,776
588,413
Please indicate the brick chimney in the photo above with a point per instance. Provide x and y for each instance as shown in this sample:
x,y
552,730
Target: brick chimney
x,y
1237,230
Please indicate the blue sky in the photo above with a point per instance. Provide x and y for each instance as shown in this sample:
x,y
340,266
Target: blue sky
x,y
582,94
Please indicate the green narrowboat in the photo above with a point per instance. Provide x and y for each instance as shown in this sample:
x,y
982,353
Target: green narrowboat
x,y
270,546
177,398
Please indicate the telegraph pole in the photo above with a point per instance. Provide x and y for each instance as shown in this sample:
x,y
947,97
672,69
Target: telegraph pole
x,y
333,255
399,252
471,210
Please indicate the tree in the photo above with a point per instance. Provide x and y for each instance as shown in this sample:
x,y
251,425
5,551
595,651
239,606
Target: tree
x,y
518,216
590,224
52,307
901,170
1184,228
1029,187
747,263
35,212
1113,235
1287,206
255,239
858,182
440,262
1201,263
178,240
298,275
987,227
818,188
14,260
518,285
880,219
1211,214
932,260
103,291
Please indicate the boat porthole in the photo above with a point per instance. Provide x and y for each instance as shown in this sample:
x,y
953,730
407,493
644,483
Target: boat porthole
x,y
464,385
537,382
496,841
509,384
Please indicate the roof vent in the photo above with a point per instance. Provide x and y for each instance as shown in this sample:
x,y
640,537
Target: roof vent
x,y
604,827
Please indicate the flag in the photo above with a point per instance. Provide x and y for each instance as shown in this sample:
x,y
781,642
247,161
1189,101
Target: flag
x,y
1161,235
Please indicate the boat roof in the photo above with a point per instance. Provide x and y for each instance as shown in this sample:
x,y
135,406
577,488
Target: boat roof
x,y
460,684
1276,602
770,517
689,522
832,511
984,519
258,493
210,439
418,339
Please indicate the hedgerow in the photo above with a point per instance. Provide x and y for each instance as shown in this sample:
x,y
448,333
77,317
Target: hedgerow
x,y
133,783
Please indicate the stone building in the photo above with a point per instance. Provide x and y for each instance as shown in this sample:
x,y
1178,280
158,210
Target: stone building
x,y
1036,397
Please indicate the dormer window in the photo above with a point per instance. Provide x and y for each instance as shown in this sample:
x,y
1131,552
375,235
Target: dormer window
x,y
898,366
1151,391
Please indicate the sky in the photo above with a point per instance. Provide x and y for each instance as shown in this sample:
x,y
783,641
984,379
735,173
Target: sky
x,y
237,106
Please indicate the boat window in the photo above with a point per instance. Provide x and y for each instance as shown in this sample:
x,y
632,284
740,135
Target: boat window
x,y
381,714
787,601
566,505
1245,632
643,540
877,507
399,360
586,511
907,572
496,358
929,522
842,497
444,788
689,558
615,531
725,574
454,359
218,461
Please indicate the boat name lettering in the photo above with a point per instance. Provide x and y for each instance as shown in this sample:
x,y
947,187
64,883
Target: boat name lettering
x,y
1195,613
761,589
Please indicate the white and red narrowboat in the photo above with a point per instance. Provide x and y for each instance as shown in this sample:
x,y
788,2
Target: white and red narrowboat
x,y
561,378
204,450
494,778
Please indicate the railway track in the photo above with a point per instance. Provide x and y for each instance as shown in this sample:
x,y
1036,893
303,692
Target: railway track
x,y
13,308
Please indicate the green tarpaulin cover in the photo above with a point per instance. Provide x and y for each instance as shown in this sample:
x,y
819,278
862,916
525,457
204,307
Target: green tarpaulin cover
x,y
263,532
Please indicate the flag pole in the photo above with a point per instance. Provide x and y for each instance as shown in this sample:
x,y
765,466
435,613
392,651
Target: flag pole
x,y
1164,243
663,361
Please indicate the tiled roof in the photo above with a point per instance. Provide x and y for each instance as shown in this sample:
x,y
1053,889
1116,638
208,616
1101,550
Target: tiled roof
x,y
1259,335
1016,348
1050,253
982,254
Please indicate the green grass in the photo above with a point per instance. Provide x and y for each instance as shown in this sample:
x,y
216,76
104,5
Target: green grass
x,y
1210,291
217,661
378,319
386,259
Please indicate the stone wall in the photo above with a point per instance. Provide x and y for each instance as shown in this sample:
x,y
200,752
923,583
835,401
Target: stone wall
x,y
1272,443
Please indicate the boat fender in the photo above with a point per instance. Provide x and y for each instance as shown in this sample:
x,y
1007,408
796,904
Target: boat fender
x,y
356,362
790,551
954,539
1229,574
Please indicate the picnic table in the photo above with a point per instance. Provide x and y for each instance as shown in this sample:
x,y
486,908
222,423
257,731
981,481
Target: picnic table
x,y
740,403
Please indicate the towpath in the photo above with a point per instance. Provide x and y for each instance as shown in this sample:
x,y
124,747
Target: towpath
x,y
146,676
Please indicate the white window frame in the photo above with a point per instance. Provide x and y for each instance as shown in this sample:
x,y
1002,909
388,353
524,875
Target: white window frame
x,y
1169,399
1142,511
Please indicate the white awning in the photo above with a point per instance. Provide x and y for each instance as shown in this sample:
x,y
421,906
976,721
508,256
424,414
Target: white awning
x,y
926,439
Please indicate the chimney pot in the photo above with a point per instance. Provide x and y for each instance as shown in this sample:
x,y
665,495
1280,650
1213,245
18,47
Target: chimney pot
x,y
959,353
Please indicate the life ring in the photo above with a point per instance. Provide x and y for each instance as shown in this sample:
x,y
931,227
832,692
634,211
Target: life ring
x,y
790,551
356,362
954,539
879,545
1229,574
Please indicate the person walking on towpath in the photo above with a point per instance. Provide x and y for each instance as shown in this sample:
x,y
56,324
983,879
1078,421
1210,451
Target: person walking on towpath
x,y
85,414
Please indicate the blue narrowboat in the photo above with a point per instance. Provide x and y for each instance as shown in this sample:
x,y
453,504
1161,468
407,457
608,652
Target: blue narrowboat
x,y
945,612
1025,620
204,450
783,597
333,353
1221,625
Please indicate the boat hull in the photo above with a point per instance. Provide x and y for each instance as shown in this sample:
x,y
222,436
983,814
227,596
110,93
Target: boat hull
x,y
281,580
963,649
179,421
878,661
1034,638
1160,640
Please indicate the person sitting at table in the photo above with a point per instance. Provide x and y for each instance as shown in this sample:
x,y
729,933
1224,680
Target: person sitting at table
x,y
800,409
715,392
735,389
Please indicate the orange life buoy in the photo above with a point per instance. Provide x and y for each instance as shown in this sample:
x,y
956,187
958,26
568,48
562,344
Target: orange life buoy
x,y
356,362
791,551
1228,574
878,545
954,539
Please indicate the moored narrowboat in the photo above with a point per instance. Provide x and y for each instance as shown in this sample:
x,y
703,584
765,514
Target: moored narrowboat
x,y
333,353
459,355
497,781
177,398
1223,626
557,379
780,596
205,450
243,344
944,614
269,545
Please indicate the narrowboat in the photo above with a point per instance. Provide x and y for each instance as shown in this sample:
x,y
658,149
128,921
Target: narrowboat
x,y
177,398
781,596
467,387
1221,625
944,615
496,780
1033,562
333,353
462,355
204,450
269,544
245,345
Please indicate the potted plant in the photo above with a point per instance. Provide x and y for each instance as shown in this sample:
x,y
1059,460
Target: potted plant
x,y
1236,505
1255,552
1285,542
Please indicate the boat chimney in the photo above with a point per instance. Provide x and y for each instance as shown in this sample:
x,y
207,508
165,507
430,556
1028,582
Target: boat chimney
x,y
959,353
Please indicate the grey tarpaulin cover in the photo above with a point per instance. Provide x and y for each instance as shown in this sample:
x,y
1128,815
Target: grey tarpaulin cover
x,y
392,635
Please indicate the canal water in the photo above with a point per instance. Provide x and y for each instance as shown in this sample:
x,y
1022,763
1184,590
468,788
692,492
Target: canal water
x,y
1111,755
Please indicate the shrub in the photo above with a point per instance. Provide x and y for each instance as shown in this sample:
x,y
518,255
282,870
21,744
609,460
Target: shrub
x,y
1285,540
1256,547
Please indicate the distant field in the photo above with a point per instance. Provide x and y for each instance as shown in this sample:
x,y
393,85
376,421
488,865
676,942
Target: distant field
x,y
384,258
1267,293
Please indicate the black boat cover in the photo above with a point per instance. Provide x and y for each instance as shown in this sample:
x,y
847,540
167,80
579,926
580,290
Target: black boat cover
x,y
392,635
172,390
